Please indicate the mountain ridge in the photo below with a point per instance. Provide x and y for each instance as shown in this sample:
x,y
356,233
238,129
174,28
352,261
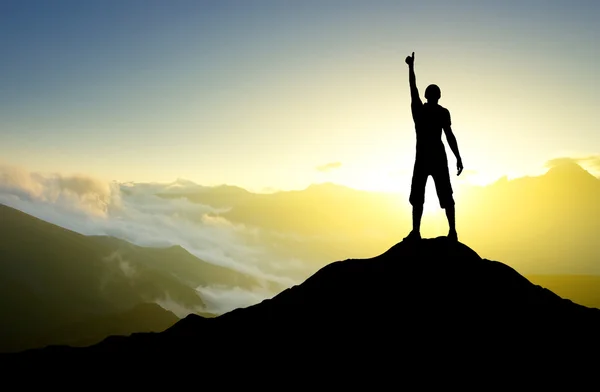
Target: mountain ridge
x,y
52,277
142,317
430,296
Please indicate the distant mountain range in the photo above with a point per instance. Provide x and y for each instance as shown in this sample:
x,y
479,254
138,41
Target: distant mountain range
x,y
546,224
541,225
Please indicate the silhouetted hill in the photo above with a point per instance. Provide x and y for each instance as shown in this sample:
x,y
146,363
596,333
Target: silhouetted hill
x,y
429,300
51,277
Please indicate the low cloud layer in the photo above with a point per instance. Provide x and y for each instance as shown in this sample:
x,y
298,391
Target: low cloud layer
x,y
590,163
134,213
79,195
220,299
276,258
329,166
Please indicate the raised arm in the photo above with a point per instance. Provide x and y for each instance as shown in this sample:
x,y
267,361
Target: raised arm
x,y
412,79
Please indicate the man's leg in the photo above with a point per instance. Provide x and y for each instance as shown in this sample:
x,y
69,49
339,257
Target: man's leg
x,y
417,213
444,192
450,212
417,198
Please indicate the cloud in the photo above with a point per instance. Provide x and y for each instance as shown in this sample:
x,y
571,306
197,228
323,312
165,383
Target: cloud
x,y
221,300
470,172
175,307
135,213
591,162
125,266
559,162
77,194
329,166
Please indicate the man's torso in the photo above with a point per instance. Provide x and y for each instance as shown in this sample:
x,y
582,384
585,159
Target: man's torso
x,y
429,122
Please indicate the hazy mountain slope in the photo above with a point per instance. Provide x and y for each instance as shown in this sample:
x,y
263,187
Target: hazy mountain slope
x,y
178,262
317,224
143,317
60,271
50,276
223,196
430,299
540,225
316,210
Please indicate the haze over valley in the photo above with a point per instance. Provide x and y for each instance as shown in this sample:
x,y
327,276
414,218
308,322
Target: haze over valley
x,y
276,240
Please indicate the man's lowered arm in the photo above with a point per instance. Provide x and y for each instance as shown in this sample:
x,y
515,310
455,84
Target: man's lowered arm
x,y
454,147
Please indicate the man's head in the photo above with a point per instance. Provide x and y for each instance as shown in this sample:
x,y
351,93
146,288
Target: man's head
x,y
433,93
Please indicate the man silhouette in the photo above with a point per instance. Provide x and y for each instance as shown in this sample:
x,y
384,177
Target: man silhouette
x,y
430,119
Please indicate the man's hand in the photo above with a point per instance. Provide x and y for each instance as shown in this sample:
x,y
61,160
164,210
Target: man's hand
x,y
410,60
459,167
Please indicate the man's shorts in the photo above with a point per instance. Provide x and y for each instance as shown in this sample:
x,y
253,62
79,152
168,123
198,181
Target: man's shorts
x,y
441,176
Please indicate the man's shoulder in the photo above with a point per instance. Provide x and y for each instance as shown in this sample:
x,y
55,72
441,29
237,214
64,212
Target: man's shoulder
x,y
444,112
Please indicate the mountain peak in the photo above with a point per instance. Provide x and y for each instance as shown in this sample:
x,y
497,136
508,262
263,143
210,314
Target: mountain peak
x,y
569,169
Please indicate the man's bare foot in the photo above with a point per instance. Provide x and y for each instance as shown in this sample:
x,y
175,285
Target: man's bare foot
x,y
413,235
452,235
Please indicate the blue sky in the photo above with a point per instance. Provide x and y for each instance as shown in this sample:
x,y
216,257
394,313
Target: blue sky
x,y
259,93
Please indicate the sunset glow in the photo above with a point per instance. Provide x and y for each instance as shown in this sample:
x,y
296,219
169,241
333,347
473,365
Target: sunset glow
x,y
269,138
259,94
